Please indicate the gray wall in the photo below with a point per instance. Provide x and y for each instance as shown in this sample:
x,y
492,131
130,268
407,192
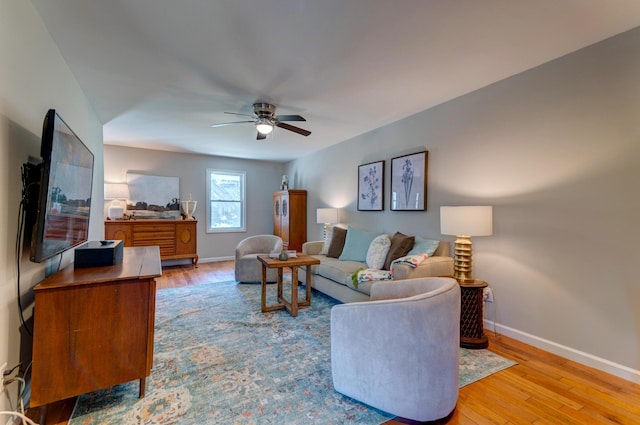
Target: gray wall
x,y
33,78
556,151
263,178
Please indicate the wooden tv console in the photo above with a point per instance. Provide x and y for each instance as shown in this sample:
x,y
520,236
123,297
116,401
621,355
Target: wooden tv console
x,y
94,327
177,239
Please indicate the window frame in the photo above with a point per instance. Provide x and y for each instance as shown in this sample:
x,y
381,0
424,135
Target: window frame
x,y
243,201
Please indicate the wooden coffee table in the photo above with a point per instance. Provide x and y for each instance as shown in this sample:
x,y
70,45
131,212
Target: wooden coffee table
x,y
293,263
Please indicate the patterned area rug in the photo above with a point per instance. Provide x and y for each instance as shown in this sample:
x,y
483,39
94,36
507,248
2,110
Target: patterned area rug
x,y
219,360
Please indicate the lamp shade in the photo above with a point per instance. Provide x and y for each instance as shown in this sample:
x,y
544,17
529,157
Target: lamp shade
x,y
116,191
466,221
327,215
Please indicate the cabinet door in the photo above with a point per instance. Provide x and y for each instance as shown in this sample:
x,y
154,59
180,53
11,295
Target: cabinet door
x,y
285,213
276,214
118,231
186,238
89,337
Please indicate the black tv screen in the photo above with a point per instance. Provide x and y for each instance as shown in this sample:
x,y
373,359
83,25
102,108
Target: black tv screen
x,y
64,200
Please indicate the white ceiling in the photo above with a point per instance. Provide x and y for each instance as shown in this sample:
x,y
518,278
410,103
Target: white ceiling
x,y
160,72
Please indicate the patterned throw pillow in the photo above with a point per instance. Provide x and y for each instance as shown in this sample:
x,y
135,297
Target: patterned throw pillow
x,y
369,275
378,250
412,261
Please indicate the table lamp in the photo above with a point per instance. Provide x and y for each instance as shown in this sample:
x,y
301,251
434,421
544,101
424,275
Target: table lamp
x,y
116,192
326,216
464,222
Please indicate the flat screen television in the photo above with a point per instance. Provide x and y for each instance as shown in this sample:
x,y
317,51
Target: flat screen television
x,y
61,220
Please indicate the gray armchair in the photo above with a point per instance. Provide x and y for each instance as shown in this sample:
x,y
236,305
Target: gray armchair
x,y
399,351
247,266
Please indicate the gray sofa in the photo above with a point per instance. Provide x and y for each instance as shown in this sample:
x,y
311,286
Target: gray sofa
x,y
334,277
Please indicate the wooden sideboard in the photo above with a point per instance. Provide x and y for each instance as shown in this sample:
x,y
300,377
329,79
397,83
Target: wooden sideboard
x,y
94,327
177,239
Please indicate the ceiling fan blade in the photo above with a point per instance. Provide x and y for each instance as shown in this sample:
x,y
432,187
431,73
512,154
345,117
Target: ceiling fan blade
x,y
222,124
261,136
293,128
290,118
238,113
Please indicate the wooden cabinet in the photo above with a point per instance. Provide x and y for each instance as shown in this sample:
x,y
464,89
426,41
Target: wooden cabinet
x,y
290,217
94,327
177,239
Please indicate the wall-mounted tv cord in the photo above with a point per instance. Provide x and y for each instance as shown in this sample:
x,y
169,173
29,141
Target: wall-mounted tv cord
x,y
21,219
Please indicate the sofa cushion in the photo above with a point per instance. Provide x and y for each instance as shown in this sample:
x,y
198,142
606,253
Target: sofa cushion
x,y
424,246
401,244
357,244
339,271
337,242
378,250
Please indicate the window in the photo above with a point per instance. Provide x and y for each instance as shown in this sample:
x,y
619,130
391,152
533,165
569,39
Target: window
x,y
225,201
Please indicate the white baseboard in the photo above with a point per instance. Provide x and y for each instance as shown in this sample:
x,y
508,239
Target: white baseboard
x,y
587,359
214,259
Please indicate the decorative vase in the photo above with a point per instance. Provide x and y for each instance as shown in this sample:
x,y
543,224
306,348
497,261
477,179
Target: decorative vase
x,y
189,207
283,255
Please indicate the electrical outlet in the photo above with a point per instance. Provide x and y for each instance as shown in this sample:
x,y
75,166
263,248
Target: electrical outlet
x,y
487,295
3,367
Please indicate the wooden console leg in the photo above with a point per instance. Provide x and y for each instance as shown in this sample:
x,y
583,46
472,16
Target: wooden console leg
x,y
143,387
43,414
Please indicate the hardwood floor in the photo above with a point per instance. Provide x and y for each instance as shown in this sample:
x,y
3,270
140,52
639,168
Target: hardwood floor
x,y
541,389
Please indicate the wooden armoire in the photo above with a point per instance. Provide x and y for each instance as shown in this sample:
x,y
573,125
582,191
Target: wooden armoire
x,y
290,217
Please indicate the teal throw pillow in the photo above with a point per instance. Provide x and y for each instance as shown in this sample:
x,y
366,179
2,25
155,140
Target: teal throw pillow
x,y
356,245
424,246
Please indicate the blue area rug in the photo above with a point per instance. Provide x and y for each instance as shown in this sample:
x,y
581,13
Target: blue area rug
x,y
219,360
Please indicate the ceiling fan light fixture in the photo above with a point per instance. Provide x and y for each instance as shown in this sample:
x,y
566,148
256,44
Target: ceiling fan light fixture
x,y
264,127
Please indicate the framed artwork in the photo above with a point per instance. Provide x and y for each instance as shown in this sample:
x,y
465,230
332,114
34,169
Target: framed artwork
x,y
371,186
153,196
409,182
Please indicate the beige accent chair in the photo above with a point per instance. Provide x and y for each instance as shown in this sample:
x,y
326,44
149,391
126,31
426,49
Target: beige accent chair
x,y
247,267
399,351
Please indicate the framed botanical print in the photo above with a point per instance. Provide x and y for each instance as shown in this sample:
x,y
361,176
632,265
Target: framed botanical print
x,y
371,186
409,182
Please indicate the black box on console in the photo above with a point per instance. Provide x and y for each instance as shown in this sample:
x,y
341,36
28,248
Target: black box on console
x,y
98,253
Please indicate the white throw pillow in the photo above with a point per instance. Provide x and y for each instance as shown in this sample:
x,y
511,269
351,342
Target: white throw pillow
x,y
378,250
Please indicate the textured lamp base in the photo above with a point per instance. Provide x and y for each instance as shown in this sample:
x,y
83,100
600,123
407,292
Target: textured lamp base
x,y
325,231
462,259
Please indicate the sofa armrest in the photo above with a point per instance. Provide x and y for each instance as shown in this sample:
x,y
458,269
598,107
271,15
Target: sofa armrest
x,y
437,266
312,247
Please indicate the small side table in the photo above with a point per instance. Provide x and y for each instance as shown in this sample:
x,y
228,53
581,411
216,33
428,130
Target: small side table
x,y
471,312
273,263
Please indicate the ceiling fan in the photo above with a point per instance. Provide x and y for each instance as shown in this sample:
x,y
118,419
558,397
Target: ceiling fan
x,y
264,119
